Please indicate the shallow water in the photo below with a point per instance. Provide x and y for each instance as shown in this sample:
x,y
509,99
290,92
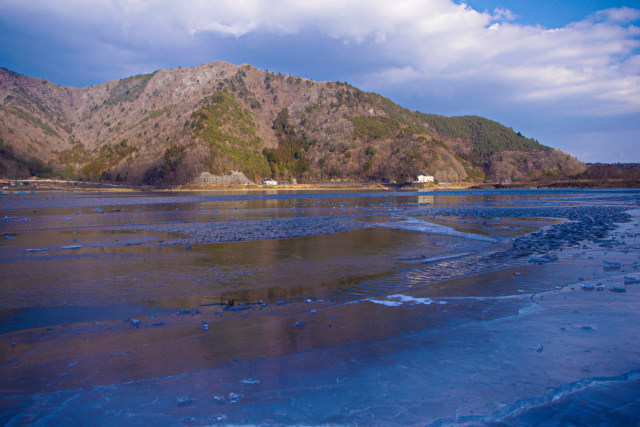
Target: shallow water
x,y
318,308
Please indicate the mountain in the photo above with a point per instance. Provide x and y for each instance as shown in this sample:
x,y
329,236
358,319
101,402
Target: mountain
x,y
173,126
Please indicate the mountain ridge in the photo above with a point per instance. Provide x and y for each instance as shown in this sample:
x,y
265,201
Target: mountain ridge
x,y
171,126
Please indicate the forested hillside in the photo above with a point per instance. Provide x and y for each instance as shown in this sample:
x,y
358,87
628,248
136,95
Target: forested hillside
x,y
177,126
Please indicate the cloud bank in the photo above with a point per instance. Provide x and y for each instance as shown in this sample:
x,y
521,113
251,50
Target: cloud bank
x,y
444,53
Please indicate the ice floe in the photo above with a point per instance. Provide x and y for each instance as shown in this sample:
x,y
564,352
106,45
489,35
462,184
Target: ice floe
x,y
399,299
421,226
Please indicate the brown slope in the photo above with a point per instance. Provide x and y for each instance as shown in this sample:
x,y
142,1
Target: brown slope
x,y
170,126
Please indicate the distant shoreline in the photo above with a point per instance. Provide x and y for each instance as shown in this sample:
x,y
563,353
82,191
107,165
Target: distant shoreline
x,y
572,184
62,185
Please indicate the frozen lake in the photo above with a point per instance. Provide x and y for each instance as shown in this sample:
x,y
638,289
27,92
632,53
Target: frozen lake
x,y
331,308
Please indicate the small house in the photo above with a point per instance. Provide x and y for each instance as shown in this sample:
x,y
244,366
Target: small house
x,y
425,179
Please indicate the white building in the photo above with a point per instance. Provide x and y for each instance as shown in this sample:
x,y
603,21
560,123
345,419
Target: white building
x,y
425,179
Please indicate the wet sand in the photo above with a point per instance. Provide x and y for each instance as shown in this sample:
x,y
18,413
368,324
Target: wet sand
x,y
160,316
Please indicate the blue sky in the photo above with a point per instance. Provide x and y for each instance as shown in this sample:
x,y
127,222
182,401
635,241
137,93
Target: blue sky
x,y
564,72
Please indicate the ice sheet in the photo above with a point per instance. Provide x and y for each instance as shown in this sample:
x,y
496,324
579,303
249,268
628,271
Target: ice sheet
x,y
335,323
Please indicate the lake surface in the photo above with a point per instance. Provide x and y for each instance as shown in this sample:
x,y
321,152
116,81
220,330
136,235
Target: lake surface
x,y
298,308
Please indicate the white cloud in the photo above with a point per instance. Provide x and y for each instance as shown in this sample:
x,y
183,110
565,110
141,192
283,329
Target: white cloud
x,y
594,59
622,15
501,13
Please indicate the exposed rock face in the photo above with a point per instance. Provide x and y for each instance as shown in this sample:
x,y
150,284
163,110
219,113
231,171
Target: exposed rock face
x,y
172,126
234,178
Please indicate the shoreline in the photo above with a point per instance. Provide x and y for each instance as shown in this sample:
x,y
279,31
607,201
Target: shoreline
x,y
19,186
551,185
60,185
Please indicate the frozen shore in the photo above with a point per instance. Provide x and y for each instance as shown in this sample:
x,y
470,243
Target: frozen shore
x,y
358,324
